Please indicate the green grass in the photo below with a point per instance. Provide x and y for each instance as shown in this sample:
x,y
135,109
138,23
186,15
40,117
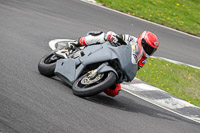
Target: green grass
x,y
183,15
179,80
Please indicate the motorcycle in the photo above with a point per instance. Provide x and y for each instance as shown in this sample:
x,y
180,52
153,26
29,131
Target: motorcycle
x,y
89,70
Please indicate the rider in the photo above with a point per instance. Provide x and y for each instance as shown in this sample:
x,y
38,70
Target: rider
x,y
145,45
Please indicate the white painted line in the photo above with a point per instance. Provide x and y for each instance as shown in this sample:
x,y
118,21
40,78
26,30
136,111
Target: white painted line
x,y
91,1
96,4
176,62
140,87
193,119
169,104
173,103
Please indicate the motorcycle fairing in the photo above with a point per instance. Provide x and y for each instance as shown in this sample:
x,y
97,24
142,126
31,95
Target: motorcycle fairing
x,y
65,69
70,69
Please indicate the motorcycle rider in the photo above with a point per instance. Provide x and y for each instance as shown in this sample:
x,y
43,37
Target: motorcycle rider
x,y
144,46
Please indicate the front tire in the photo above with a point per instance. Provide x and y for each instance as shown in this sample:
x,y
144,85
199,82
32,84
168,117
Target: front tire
x,y
93,88
47,64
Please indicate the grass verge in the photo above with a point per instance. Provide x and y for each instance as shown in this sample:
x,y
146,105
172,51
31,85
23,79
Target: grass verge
x,y
182,15
179,80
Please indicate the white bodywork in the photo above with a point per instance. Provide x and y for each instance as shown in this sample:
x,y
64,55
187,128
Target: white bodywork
x,y
52,43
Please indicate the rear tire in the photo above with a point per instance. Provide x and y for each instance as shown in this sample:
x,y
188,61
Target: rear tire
x,y
105,82
46,66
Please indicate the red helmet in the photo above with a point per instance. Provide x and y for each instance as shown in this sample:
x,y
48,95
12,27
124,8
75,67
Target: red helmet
x,y
149,42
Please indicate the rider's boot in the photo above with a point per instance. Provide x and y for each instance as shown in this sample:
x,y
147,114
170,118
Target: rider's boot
x,y
79,43
94,37
113,90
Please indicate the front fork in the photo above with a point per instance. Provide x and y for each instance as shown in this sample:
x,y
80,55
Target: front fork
x,y
101,69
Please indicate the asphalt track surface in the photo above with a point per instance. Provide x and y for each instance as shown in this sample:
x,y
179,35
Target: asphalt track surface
x,y
32,103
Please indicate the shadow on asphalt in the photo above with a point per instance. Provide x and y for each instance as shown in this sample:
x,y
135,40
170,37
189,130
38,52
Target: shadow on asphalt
x,y
128,104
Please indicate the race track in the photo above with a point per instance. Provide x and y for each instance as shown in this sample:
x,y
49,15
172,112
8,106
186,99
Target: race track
x,y
32,103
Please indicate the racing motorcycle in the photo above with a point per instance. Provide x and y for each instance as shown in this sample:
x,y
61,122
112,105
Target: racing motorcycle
x,y
89,70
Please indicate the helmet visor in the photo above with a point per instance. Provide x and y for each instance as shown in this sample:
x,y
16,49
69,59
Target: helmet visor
x,y
147,48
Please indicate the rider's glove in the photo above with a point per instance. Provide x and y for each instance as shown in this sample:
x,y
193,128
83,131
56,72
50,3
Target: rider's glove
x,y
113,39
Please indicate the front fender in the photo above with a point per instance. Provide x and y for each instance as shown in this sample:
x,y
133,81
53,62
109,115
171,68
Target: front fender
x,y
105,68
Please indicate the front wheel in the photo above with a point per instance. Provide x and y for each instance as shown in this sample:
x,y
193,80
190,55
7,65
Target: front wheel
x,y
84,86
47,64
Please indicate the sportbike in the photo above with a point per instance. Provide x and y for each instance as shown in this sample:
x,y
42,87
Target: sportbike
x,y
89,70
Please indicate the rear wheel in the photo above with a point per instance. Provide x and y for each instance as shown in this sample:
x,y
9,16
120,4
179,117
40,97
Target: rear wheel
x,y
84,86
47,64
